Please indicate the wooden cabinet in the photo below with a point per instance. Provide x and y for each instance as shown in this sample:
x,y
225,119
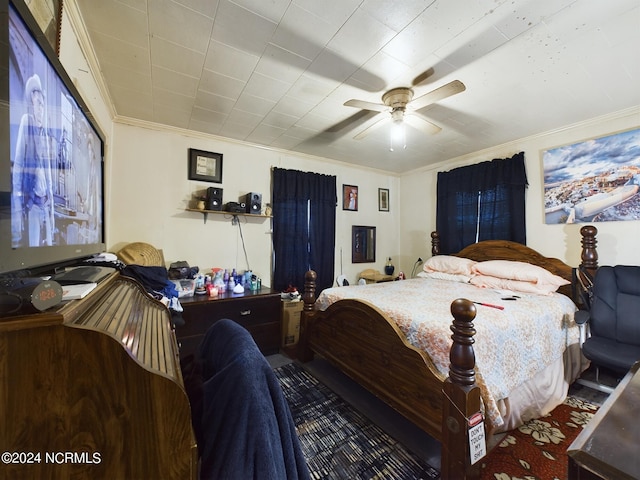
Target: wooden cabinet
x,y
99,379
258,312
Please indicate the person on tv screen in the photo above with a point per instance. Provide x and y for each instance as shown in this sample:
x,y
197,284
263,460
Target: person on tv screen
x,y
33,213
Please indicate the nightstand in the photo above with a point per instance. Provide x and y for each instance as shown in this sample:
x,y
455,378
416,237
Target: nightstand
x,y
374,276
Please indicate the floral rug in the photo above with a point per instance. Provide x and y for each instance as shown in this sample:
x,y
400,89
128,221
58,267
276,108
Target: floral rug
x,y
537,449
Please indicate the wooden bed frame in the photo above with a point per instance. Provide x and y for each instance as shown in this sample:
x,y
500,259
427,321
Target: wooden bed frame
x,y
365,344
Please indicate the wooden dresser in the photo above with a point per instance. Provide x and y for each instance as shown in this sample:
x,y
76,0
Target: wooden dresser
x,y
93,389
259,312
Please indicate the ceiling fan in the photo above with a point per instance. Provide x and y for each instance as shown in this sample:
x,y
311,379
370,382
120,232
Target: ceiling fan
x,y
402,107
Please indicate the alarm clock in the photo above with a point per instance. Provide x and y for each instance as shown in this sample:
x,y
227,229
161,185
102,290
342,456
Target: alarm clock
x,y
46,295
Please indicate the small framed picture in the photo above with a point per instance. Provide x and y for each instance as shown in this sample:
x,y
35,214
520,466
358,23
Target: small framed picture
x,y
350,198
205,166
383,199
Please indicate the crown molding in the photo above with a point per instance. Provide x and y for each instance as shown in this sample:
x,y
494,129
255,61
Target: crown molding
x,y
70,7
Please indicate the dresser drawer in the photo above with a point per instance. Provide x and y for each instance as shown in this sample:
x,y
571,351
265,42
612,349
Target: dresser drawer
x,y
247,312
259,314
250,312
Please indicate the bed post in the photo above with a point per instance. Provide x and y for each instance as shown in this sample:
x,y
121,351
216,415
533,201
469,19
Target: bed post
x,y
589,254
435,243
309,298
461,402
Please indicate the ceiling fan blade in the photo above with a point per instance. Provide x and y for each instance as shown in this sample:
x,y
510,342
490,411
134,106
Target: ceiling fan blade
x,y
438,94
375,107
422,124
374,126
420,79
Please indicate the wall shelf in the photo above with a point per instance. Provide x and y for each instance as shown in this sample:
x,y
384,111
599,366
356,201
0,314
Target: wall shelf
x,y
205,213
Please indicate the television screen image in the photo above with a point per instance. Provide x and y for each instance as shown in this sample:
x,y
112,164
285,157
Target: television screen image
x,y
56,169
54,183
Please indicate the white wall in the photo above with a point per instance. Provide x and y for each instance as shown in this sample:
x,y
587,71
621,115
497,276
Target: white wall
x,y
617,241
150,192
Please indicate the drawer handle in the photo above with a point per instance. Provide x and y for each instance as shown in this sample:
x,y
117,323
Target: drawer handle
x,y
244,313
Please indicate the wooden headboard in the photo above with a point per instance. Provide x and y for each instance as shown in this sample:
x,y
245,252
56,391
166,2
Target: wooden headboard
x,y
506,250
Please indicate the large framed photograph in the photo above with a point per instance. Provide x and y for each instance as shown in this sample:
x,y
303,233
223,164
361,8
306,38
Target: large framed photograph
x,y
383,199
205,166
597,180
350,198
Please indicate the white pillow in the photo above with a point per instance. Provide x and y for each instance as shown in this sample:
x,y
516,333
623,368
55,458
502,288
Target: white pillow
x,y
445,276
486,281
449,264
522,271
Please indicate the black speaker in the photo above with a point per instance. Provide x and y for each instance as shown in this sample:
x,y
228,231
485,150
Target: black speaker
x,y
253,202
214,198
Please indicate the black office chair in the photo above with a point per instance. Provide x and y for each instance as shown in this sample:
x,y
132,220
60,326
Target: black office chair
x,y
613,322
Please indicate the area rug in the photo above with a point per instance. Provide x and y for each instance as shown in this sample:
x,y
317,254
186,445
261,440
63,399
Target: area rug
x,y
338,441
537,449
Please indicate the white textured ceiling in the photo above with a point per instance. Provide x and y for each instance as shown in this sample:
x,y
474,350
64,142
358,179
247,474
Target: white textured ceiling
x,y
278,72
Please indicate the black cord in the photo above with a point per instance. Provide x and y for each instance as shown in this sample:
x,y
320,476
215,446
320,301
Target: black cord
x,y
244,248
415,265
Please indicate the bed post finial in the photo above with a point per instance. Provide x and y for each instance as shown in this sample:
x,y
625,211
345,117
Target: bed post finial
x,y
304,353
435,243
461,402
462,356
589,254
309,294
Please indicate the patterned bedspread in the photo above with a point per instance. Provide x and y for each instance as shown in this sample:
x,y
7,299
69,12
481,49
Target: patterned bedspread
x,y
511,345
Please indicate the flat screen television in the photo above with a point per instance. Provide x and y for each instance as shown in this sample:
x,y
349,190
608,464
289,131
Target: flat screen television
x,y
51,165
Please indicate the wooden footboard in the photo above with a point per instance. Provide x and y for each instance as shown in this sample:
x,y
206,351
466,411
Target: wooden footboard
x,y
365,344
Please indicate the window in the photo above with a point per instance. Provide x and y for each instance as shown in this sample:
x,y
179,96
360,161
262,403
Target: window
x,y
304,226
479,202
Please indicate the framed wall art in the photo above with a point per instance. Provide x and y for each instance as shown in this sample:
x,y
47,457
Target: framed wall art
x,y
596,180
205,166
383,199
350,197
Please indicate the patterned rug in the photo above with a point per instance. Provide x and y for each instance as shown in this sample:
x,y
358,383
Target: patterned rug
x,y
338,441
537,449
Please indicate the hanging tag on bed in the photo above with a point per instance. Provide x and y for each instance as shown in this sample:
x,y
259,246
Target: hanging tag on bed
x,y
477,442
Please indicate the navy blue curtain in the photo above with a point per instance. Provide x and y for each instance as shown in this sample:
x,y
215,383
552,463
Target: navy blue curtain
x,y
304,227
485,201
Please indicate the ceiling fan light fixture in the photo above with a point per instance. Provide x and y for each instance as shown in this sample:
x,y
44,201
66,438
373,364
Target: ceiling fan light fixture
x,y
397,100
398,137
